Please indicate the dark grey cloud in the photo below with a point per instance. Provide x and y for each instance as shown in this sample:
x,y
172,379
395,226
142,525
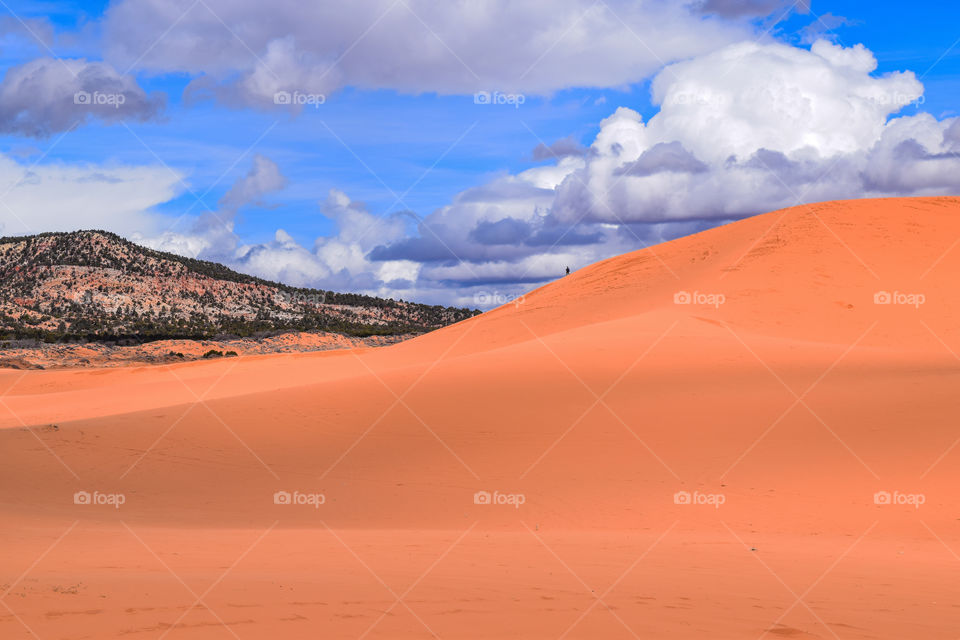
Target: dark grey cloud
x,y
399,283
48,95
505,240
501,191
751,8
823,26
516,277
663,157
951,137
262,178
562,148
790,172
505,231
559,236
909,167
424,248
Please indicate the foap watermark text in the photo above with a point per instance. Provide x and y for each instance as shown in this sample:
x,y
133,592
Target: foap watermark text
x,y
498,98
697,498
897,498
700,298
298,498
486,298
898,297
96,498
99,99
497,498
299,99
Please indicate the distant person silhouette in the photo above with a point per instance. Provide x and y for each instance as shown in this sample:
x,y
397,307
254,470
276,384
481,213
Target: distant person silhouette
x,y
568,270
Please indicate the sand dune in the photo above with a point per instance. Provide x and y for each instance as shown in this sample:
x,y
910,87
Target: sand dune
x,y
756,368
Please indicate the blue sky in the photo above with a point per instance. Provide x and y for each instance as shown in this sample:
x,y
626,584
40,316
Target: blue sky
x,y
405,135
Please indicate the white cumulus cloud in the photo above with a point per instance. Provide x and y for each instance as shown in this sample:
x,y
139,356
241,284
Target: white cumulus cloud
x,y
62,197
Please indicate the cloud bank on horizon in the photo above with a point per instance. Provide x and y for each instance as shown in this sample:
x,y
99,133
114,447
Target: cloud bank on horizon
x,y
741,122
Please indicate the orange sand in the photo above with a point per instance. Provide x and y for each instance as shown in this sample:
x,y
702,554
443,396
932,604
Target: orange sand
x,y
791,400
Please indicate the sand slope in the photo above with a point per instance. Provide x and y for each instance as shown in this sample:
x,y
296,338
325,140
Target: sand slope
x,y
782,389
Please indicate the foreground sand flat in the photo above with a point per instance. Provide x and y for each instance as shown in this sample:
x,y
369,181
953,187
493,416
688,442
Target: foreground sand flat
x,y
783,398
